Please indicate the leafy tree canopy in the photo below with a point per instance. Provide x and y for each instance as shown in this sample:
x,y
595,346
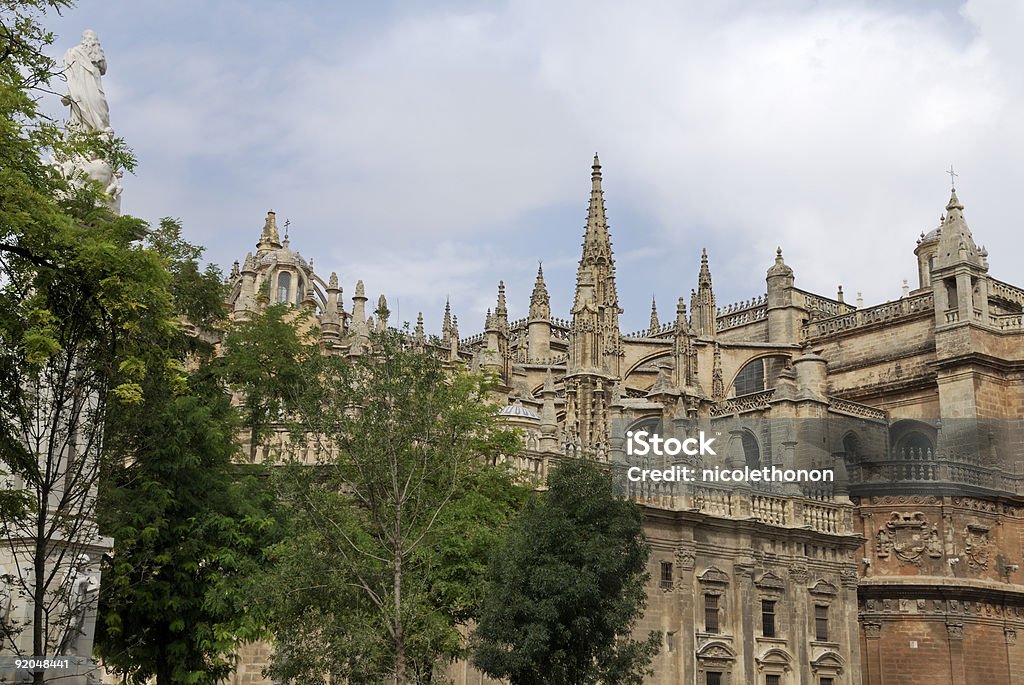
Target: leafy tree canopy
x,y
565,587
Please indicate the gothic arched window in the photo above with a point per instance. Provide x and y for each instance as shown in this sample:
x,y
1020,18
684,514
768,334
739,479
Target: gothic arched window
x,y
284,284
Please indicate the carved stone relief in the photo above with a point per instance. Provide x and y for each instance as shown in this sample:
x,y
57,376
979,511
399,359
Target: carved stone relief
x,y
909,537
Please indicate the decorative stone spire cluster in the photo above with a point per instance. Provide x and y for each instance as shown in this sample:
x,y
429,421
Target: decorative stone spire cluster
x,y
655,324
702,302
595,345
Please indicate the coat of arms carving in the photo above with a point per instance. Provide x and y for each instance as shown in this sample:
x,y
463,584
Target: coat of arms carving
x,y
909,538
977,546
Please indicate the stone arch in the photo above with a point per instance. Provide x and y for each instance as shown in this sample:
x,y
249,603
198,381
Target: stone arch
x,y
283,286
757,373
775,660
912,439
853,448
716,649
828,663
653,356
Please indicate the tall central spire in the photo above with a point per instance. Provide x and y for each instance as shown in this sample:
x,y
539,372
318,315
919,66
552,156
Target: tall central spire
x,y
595,343
596,241
595,276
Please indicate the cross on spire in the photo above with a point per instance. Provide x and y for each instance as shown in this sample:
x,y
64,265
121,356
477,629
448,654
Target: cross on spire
x,y
287,223
952,177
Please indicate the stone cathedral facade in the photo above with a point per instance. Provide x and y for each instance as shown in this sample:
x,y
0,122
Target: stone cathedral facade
x,y
904,570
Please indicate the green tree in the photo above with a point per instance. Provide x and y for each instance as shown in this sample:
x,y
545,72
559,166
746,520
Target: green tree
x,y
566,586
266,360
189,526
79,300
393,523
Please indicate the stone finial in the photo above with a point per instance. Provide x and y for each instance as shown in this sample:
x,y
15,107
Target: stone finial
x,y
382,312
360,290
332,282
780,268
549,383
839,294
540,303
501,310
249,265
235,270
269,237
446,329
704,277
655,324
681,321
420,335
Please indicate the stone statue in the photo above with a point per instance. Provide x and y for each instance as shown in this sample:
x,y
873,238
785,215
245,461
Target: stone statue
x,y
84,65
83,591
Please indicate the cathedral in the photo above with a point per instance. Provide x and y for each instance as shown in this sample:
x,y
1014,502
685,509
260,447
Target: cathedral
x,y
901,569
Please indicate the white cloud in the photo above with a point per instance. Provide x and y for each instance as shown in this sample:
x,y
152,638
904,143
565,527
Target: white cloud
x,y
420,153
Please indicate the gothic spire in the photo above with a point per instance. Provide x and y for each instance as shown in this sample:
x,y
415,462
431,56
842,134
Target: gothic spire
x,y
420,336
704,278
595,276
703,308
446,329
540,303
596,240
655,324
501,310
956,244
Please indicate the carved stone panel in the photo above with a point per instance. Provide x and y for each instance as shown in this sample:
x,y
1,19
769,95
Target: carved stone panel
x,y
977,546
909,538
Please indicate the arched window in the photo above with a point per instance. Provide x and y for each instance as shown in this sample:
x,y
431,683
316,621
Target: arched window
x,y
759,374
851,448
751,452
300,292
750,378
284,284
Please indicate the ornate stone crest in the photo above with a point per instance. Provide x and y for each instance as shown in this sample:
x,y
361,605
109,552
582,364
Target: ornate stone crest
x,y
977,546
909,538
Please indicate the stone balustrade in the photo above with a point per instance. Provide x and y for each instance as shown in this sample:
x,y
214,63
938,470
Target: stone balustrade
x,y
906,307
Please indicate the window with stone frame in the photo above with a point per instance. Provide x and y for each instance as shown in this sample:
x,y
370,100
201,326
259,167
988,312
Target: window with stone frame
x,y
666,574
821,622
772,679
826,681
712,624
713,678
768,628
284,285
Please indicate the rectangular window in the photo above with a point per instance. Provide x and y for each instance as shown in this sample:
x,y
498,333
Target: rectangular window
x,y
713,678
772,680
711,613
666,573
768,618
821,623
826,681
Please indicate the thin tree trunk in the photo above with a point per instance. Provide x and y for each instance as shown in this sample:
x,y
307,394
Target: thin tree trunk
x,y
399,636
39,589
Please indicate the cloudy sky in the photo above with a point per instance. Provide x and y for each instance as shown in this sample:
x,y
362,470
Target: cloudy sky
x,y
432,148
